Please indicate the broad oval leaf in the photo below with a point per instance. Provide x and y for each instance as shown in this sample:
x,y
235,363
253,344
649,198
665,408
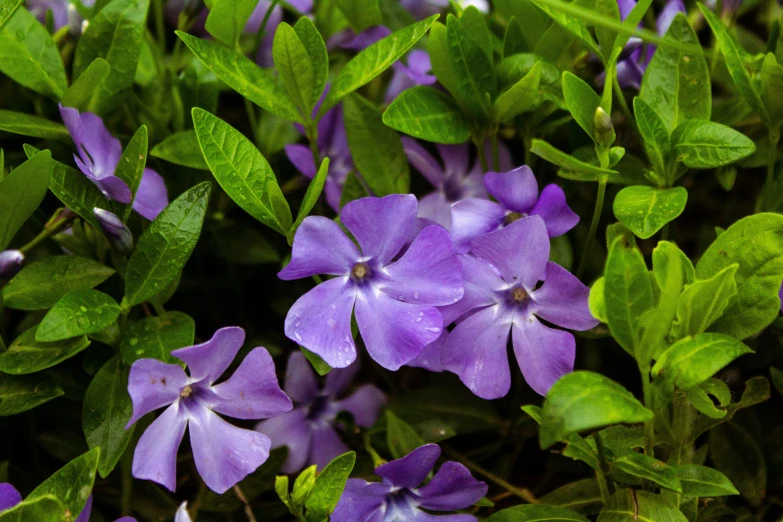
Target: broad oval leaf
x,y
78,313
703,301
329,487
582,496
228,18
582,101
473,74
131,167
645,210
401,437
536,513
71,484
701,481
428,114
156,337
21,192
7,8
293,63
19,393
181,148
26,355
648,468
707,145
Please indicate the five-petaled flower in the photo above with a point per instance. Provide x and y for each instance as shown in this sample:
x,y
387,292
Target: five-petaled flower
x,y
395,300
223,453
399,497
309,429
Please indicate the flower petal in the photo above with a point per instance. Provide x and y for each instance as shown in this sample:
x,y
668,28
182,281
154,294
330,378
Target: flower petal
x,y
553,209
435,207
338,380
114,188
99,150
364,404
428,273
151,196
320,321
84,516
543,354
471,218
153,384
211,359
517,190
320,247
302,158
412,469
182,514
300,381
482,284
423,161
562,300
361,501
224,454
292,430
325,446
455,159
452,488
380,225
667,14
9,496
155,457
431,358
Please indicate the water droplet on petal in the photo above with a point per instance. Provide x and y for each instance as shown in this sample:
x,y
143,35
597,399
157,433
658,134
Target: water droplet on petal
x,y
415,295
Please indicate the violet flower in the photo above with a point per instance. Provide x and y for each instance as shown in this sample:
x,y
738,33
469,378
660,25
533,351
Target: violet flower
x,y
309,430
224,454
451,178
10,497
118,234
10,263
395,300
503,295
518,197
400,496
64,13
98,158
417,71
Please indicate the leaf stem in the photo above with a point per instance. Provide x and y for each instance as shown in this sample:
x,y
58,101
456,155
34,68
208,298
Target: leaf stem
x,y
312,137
241,496
251,116
772,155
482,154
523,493
53,227
605,487
495,153
649,426
597,211
262,28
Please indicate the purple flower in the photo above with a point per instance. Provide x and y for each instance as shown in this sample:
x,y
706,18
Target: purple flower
x,y
451,178
348,39
308,430
99,155
10,497
63,12
400,496
10,263
224,454
503,295
395,300
518,197
416,72
118,234
780,296
182,514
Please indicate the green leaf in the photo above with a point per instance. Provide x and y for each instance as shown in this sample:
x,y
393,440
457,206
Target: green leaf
x,y
474,22
582,101
520,97
657,140
329,487
303,485
29,56
228,18
475,83
106,410
7,8
568,162
677,82
29,125
662,258
596,299
19,393
429,114
514,41
131,166
293,63
573,25
78,313
756,391
165,247
607,36
241,171
20,194
71,484
631,22
701,481
772,89
260,86
582,496
156,337
639,506
648,468
316,49
438,49
80,94
584,400
756,244
699,397
376,149
41,284
319,365
115,34
314,190
26,355
536,513
736,454
645,210
707,145
43,509
401,437
181,148
361,14
702,302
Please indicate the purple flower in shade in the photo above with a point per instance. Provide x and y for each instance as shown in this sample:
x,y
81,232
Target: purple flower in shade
x,y
451,178
348,39
63,12
395,300
308,430
224,454
10,263
399,497
517,196
503,296
10,497
99,155
416,72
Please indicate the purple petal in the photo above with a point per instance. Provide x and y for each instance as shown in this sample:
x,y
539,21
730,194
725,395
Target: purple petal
x,y
412,469
431,358
517,190
114,188
423,161
543,354
429,273
419,65
399,82
155,457
455,159
666,17
338,380
380,225
131,519
293,430
436,208
626,6
9,496
629,73
302,158
325,446
471,218
320,247
451,488
553,209
303,6
476,351
482,285
562,300
84,516
364,404
99,151
300,382
361,501
367,37
320,321
209,360
252,392
59,9
182,514
395,332
253,24
153,384
152,196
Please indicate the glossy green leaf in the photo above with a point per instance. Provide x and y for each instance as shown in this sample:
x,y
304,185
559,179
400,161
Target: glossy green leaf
x,y
303,485
639,506
772,89
7,8
473,74
607,36
227,19
657,139
645,210
80,94
476,26
514,39
746,468
43,509
536,513
319,365
293,63
568,162
596,299
20,194
582,101
642,466
514,68
131,166
520,97
242,171
438,49
662,257
702,400
316,48
573,25
361,14
30,125
181,148
314,190
582,496
156,337
78,313
400,436
71,484
329,487
701,481
19,393
702,302
584,400
707,145
429,114
165,247
26,355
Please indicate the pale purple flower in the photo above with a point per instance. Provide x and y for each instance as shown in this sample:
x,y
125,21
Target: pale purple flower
x,y
453,177
98,158
182,514
118,234
503,296
417,71
10,497
309,429
10,263
224,454
395,299
401,497
348,39
517,196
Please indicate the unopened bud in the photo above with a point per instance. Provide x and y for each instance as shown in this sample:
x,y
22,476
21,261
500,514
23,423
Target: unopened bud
x,y
603,128
10,263
115,231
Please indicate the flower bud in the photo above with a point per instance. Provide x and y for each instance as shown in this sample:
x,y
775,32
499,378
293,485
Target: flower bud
x,y
115,231
10,263
603,128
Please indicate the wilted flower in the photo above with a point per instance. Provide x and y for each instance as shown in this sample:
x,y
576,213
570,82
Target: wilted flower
x,y
223,453
395,300
115,230
309,429
10,263
400,496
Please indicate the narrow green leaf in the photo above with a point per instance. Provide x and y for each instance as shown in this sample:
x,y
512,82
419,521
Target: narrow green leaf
x,y
475,83
568,162
329,487
401,437
361,14
661,259
648,468
293,63
80,94
707,145
181,148
20,194
582,101
78,313
29,125
645,210
573,25
703,302
582,496
438,49
314,190
319,59
26,355
156,337
131,166
657,140
476,26
71,484
428,114
772,89
514,40
701,481
536,513
19,393
607,36
631,22
520,97
7,8
228,18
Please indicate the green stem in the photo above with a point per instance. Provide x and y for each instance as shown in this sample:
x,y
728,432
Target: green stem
x,y
597,211
312,137
772,154
495,153
49,230
606,488
482,154
623,104
160,25
251,116
522,493
262,29
649,426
